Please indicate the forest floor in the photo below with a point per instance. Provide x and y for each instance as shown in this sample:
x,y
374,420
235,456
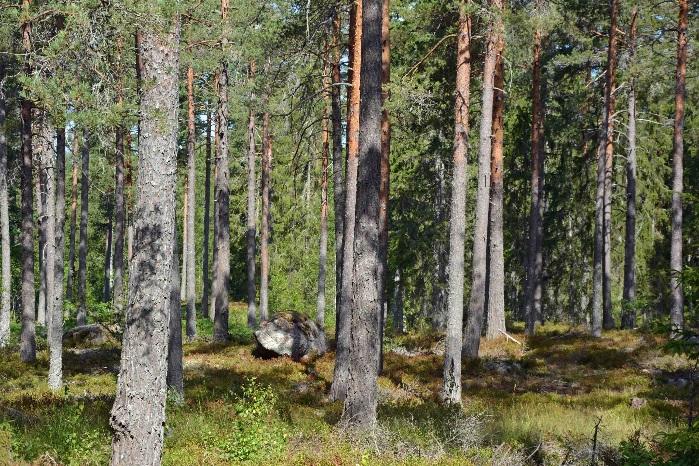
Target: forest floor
x,y
536,403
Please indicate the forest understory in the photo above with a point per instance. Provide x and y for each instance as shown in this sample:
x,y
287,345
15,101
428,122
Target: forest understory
x,y
535,403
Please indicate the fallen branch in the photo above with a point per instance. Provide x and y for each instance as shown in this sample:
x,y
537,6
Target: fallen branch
x,y
510,337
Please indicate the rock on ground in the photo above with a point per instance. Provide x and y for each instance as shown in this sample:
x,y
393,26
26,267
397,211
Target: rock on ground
x,y
88,335
290,334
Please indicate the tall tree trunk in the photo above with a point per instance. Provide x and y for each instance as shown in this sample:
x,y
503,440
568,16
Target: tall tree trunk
x,y
265,225
676,295
107,279
207,219
338,390
27,349
222,266
70,282
138,414
54,323
185,256
532,294
40,146
82,247
479,287
212,307
191,204
119,224
496,266
361,400
385,170
338,169
323,243
608,318
603,209
175,370
451,385
628,319
251,222
56,308
397,305
6,282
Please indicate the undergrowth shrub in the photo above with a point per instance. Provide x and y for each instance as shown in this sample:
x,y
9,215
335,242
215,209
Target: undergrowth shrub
x,y
257,432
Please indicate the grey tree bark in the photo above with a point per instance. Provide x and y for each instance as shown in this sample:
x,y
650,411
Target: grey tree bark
x,y
397,305
41,143
107,278
676,262
54,322
361,401
119,224
323,243
82,246
479,287
191,204
222,267
206,279
138,414
4,224
266,215
338,389
251,223
338,169
451,384
496,267
60,216
70,282
185,256
175,370
628,319
27,349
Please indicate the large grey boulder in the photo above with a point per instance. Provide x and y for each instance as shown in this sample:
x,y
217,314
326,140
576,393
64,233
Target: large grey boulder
x,y
290,334
89,335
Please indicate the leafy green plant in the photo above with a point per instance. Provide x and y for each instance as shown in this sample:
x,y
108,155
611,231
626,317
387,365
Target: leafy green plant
x,y
257,431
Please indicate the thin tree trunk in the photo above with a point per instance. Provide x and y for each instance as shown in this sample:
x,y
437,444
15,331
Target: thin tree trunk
x,y
119,225
338,390
338,169
82,247
70,285
27,349
250,233
212,307
107,279
603,207
175,370
608,318
222,267
54,323
361,400
532,294
451,385
323,243
265,225
138,414
628,319
207,219
496,266
676,294
385,170
40,146
56,308
398,305
479,287
185,256
5,303
191,204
